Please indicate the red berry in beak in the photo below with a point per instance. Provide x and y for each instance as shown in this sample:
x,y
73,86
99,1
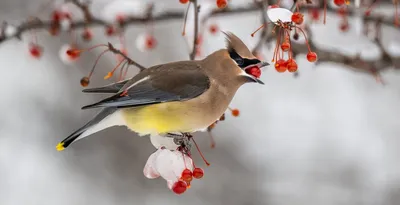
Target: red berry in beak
x,y
254,71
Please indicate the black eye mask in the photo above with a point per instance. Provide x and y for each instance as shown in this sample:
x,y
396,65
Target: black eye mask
x,y
242,62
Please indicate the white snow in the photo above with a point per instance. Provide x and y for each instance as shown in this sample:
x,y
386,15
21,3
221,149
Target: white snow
x,y
160,141
125,8
275,14
394,48
141,42
10,31
65,24
167,164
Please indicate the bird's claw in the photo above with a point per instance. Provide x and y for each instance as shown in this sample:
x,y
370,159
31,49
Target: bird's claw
x,y
183,140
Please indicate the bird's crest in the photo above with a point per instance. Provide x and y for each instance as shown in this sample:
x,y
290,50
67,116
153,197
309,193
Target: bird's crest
x,y
233,43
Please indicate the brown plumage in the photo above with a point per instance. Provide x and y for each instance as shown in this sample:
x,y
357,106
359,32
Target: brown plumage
x,y
183,96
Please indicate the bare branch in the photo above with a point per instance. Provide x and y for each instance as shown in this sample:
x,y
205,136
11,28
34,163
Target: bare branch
x,y
324,55
84,7
264,34
196,29
129,60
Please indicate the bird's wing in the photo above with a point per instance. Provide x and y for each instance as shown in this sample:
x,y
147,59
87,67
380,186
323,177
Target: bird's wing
x,y
164,83
111,88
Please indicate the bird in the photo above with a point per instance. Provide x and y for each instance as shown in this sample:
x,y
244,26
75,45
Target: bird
x,y
183,96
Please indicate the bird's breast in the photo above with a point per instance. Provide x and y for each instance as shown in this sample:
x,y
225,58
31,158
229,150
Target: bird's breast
x,y
180,116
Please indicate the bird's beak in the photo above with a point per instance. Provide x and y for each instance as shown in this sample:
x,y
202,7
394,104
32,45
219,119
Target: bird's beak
x,y
262,64
254,79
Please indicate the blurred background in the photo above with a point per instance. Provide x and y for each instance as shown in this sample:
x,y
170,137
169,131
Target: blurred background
x,y
329,136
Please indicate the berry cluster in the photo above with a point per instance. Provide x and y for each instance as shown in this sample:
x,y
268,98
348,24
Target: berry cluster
x,y
283,47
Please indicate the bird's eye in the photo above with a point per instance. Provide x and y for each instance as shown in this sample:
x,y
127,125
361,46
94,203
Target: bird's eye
x,y
239,61
236,57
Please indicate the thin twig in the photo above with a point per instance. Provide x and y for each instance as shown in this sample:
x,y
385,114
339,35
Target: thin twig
x,y
196,29
130,61
264,33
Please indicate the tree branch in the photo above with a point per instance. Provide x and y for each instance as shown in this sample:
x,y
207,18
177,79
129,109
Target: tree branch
x,y
324,56
196,29
129,60
84,7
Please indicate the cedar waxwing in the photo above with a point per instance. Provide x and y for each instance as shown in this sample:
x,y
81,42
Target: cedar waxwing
x,y
185,96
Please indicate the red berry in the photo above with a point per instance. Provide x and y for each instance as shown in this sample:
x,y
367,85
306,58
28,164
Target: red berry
x,y
291,65
85,81
183,1
56,15
314,14
110,30
297,18
312,56
151,42
344,26
87,35
235,112
254,71
120,19
35,50
198,173
179,187
187,175
285,46
339,2
222,3
73,53
281,66
213,29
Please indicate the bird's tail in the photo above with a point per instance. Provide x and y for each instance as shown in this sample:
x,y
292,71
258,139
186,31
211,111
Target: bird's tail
x,y
108,117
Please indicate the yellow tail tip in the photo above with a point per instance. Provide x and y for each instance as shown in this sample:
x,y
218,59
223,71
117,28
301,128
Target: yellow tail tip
x,y
60,146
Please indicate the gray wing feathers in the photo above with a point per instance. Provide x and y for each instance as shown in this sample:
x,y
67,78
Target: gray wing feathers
x,y
166,83
111,88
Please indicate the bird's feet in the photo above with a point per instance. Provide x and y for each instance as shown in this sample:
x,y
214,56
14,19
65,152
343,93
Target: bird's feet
x,y
183,140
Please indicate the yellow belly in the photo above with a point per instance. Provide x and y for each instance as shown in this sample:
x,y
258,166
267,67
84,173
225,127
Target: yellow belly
x,y
160,118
